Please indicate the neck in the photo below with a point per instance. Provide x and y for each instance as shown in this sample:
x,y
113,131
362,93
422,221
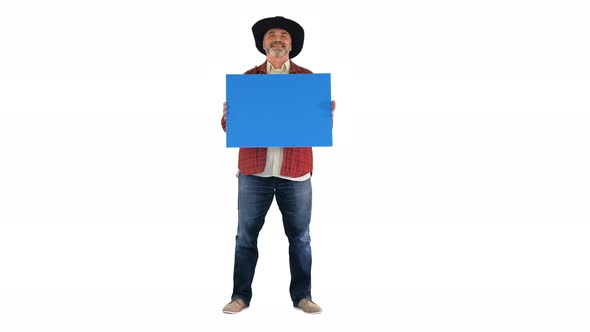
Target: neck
x,y
277,62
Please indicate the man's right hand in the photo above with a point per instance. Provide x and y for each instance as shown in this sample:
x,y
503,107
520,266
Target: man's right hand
x,y
224,117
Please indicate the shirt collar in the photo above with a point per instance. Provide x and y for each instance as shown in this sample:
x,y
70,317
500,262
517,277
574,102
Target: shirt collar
x,y
284,69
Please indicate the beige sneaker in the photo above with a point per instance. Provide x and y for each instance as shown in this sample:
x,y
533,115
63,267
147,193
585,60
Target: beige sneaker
x,y
234,306
308,307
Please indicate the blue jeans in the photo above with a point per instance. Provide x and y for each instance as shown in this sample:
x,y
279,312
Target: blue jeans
x,y
255,195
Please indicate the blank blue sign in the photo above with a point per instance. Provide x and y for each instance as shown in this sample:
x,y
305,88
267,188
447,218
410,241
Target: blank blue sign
x,y
291,110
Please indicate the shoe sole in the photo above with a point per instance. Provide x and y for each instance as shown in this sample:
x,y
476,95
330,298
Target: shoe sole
x,y
233,312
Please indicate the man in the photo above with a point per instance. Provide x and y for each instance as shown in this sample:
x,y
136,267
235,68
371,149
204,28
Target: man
x,y
265,173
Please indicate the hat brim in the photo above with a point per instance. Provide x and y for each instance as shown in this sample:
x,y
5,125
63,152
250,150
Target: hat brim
x,y
295,30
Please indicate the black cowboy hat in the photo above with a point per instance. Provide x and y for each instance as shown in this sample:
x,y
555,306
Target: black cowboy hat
x,y
260,28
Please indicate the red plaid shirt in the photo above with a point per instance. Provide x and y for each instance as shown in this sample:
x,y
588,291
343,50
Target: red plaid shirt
x,y
296,161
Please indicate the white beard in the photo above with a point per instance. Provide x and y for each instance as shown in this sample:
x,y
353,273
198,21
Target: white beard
x,y
277,53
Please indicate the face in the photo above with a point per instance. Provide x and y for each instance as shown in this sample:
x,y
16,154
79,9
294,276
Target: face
x,y
277,42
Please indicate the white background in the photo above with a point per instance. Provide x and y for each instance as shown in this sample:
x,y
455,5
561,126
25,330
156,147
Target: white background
x,y
455,198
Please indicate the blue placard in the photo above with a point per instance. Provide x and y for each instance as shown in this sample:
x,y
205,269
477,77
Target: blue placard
x,y
278,110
